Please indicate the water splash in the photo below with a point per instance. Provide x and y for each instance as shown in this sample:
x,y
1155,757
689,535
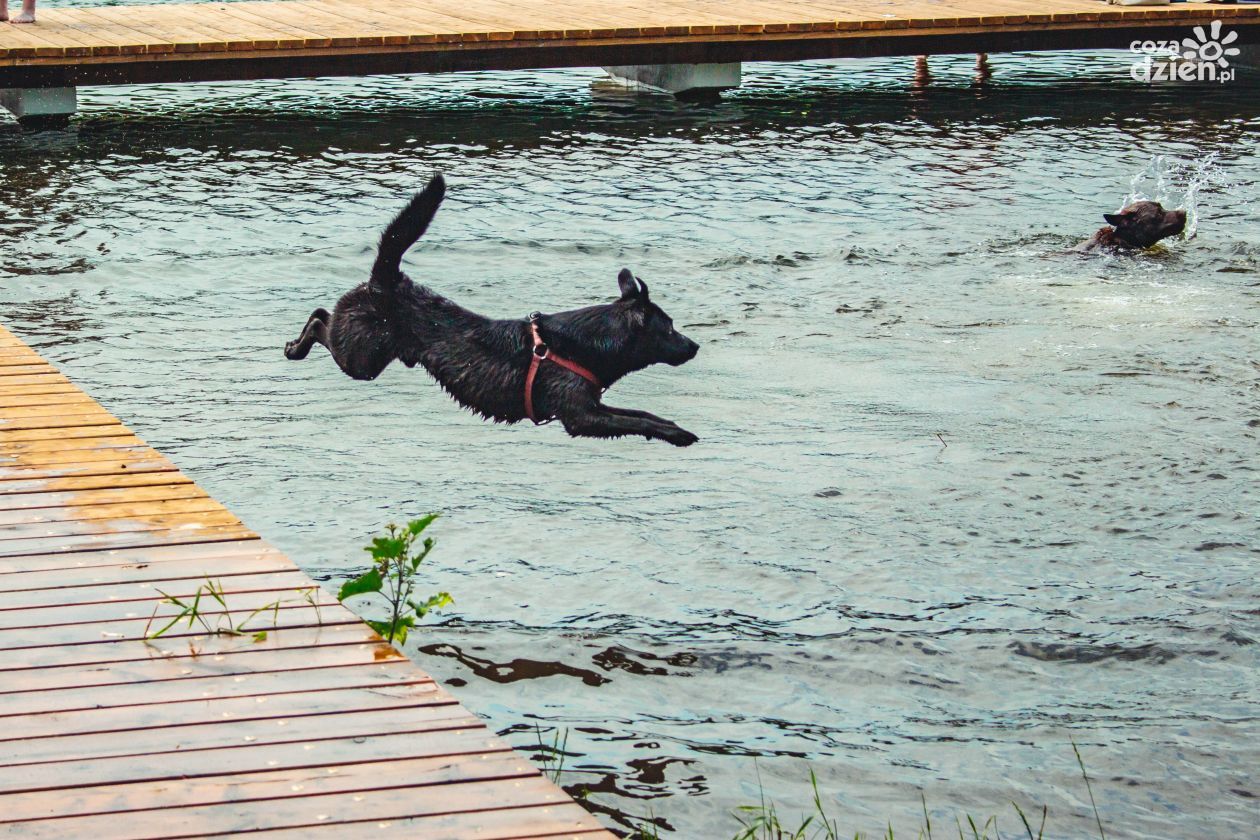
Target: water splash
x,y
1177,183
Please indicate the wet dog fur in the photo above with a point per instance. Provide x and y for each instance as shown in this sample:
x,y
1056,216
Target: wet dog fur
x,y
1139,225
483,362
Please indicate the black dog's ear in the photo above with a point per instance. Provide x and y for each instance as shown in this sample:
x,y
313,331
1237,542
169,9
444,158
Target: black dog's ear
x,y
643,288
1114,219
625,282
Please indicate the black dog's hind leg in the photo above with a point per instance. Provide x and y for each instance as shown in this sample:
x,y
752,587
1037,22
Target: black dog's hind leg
x,y
316,329
605,422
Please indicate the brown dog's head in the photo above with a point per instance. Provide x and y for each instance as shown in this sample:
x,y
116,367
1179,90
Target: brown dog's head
x,y
1143,223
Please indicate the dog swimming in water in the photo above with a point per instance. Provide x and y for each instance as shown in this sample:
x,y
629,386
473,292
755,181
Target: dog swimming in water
x,y
539,368
1139,225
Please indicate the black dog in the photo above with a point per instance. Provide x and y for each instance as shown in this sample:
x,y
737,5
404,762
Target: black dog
x,y
1140,225
544,367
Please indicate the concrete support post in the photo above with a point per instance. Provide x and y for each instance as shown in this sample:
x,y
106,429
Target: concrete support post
x,y
679,79
40,106
1249,60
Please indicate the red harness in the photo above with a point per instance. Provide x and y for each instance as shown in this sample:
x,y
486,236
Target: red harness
x,y
537,356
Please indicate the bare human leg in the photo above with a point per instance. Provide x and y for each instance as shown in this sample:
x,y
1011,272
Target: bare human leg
x,y
983,72
922,73
27,15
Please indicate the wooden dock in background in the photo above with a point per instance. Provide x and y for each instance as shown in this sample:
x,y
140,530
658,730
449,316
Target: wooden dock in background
x,y
319,730
189,42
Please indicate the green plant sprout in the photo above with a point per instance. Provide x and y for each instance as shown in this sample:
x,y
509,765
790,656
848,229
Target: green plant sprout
x,y
555,753
395,563
224,623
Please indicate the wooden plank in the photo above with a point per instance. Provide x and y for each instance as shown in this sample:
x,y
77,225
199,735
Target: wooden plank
x,y
25,357
10,382
22,462
177,649
64,421
129,510
78,582
32,453
415,803
51,410
13,535
226,712
258,685
117,633
107,496
72,622
107,429
25,370
343,725
132,478
91,463
524,823
63,395
90,563
285,581
460,739
140,538
61,387
36,688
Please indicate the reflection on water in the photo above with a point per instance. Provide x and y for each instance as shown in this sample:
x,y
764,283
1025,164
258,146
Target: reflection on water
x,y
960,494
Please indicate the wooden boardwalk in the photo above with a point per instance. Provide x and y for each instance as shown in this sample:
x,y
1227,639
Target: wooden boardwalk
x,y
217,41
320,730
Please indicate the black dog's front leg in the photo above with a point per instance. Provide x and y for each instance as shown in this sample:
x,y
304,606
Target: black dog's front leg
x,y
642,415
605,422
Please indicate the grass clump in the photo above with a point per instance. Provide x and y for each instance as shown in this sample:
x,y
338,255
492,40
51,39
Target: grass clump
x,y
223,623
762,821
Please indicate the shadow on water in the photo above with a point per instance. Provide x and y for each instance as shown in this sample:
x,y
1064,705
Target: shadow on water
x,y
516,669
480,122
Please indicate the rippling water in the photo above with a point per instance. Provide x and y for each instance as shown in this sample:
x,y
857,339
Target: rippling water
x,y
960,496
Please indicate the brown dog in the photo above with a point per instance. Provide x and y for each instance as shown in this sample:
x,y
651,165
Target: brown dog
x,y
1140,225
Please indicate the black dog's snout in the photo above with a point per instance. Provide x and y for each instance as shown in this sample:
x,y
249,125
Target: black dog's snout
x,y
685,353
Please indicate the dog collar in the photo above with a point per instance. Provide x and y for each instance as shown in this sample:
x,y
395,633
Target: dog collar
x,y
541,353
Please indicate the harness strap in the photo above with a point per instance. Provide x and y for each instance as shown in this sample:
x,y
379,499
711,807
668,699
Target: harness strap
x,y
537,356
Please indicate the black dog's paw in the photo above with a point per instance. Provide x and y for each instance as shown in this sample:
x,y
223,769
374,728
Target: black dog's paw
x,y
291,350
680,437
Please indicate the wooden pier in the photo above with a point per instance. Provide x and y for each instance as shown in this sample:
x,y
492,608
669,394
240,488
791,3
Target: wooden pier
x,y
301,38
316,729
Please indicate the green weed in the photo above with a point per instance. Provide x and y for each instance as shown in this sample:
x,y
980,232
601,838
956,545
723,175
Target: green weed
x,y
392,576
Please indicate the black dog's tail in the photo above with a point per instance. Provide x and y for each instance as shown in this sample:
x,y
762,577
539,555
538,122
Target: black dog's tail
x,y
407,227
